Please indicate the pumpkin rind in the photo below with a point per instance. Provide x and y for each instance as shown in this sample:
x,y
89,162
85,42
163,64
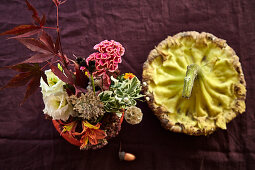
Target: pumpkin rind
x,y
219,92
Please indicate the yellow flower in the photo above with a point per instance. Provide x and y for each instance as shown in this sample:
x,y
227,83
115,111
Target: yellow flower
x,y
129,76
87,74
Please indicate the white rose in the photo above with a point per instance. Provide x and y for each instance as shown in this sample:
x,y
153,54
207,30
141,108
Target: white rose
x,y
57,106
55,84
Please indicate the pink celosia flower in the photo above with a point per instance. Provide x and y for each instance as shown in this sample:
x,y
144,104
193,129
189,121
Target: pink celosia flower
x,y
107,59
110,47
82,68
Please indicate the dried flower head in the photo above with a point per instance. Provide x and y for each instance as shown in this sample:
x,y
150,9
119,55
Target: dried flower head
x,y
88,106
111,124
133,115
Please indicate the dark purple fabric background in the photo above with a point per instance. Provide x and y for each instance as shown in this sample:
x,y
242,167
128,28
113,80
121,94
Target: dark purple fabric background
x,y
28,141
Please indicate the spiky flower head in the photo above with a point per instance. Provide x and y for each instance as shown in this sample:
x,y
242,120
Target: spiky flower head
x,y
88,106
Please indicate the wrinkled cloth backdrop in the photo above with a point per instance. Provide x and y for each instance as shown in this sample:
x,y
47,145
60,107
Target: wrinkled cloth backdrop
x,y
28,141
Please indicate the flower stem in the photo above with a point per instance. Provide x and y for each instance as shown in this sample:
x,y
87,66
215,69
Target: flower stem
x,y
93,84
53,28
59,37
44,66
191,75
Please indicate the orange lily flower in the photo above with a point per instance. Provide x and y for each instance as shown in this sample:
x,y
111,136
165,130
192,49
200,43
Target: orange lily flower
x,y
90,134
68,127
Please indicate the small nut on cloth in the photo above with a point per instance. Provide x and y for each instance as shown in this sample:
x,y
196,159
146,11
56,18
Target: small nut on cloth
x,y
133,115
126,156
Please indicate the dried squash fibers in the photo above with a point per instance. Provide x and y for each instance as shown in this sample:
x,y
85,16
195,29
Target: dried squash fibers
x,y
194,83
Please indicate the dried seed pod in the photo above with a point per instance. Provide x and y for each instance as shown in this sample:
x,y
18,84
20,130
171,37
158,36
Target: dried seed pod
x,y
126,156
133,115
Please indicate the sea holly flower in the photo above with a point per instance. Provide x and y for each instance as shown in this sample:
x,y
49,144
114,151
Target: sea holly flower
x,y
91,134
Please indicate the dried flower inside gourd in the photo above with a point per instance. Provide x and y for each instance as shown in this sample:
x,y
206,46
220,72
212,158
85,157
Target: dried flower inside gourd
x,y
88,106
111,124
133,115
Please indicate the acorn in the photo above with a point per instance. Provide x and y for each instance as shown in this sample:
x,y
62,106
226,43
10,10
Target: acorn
x,y
126,156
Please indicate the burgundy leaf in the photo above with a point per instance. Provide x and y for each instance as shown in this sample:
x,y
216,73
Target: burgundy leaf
x,y
60,74
29,72
66,60
80,78
35,45
57,45
63,2
79,89
44,77
38,58
69,90
28,34
43,21
46,39
21,29
69,75
19,80
32,87
21,67
35,14
54,59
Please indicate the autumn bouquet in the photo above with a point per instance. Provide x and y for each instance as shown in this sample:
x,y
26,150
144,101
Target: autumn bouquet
x,y
86,98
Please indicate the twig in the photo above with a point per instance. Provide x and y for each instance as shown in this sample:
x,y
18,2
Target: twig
x,y
45,66
59,37
53,28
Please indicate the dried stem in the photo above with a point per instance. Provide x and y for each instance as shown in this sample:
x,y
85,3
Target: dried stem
x,y
191,75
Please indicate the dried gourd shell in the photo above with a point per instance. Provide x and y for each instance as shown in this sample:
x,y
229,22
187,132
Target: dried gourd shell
x,y
218,89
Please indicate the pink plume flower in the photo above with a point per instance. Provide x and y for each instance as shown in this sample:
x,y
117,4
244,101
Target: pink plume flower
x,y
107,59
111,47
